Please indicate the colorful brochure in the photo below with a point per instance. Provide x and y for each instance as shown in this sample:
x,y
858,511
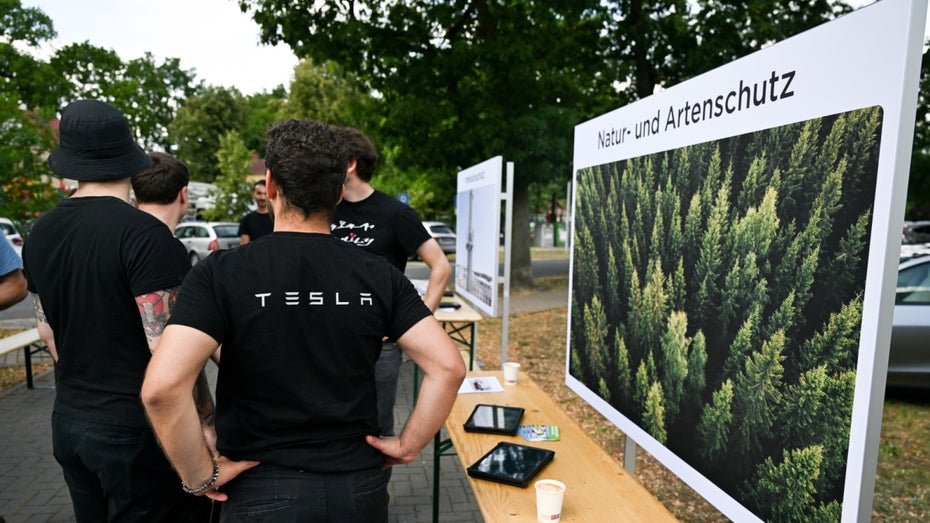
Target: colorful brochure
x,y
539,432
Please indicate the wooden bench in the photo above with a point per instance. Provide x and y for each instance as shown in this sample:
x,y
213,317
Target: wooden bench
x,y
31,343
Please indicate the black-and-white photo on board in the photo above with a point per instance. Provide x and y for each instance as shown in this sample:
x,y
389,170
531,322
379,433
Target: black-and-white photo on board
x,y
478,204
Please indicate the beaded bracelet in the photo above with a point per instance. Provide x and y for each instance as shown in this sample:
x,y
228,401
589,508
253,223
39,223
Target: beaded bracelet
x,y
206,484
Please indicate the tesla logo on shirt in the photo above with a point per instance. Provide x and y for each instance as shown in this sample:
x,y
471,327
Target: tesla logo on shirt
x,y
317,298
349,234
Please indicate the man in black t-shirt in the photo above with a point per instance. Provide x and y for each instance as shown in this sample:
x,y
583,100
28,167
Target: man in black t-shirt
x,y
161,190
259,222
300,316
382,225
103,281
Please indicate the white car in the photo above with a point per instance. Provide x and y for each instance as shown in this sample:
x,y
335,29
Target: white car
x,y
202,238
909,358
200,197
12,235
443,234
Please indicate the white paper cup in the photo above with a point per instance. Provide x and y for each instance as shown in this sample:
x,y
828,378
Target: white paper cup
x,y
549,495
511,370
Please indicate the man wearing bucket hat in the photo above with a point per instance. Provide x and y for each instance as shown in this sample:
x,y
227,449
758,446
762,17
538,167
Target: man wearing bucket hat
x,y
103,279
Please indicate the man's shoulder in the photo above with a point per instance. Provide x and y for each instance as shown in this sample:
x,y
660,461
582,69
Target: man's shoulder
x,y
255,215
384,198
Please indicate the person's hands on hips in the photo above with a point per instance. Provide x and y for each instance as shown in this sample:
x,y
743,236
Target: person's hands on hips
x,y
392,450
228,471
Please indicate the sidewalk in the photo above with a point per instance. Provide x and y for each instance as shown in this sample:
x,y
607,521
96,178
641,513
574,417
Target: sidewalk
x,y
32,488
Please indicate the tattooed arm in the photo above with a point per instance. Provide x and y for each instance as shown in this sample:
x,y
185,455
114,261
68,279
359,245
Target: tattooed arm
x,y
45,330
155,308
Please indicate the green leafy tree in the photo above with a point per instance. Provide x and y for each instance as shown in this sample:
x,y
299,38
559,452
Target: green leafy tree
x,y
234,195
329,93
663,42
449,74
263,110
147,92
29,91
200,123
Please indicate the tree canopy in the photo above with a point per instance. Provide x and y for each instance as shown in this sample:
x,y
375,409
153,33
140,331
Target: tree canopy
x,y
462,81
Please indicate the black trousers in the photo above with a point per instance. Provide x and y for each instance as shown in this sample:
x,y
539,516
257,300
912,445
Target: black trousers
x,y
119,474
271,494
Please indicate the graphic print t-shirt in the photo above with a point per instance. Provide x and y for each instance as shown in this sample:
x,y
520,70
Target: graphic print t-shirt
x,y
381,225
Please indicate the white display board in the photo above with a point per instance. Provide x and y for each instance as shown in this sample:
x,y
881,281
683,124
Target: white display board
x,y
478,210
734,264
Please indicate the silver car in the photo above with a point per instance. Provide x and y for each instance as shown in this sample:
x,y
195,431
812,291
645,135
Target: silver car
x,y
12,235
909,359
202,238
443,234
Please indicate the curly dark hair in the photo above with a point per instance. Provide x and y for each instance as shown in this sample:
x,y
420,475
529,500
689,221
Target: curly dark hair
x,y
307,160
162,181
361,149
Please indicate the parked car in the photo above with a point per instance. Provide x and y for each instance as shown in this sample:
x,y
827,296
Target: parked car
x,y
202,238
200,197
917,232
12,235
909,358
443,234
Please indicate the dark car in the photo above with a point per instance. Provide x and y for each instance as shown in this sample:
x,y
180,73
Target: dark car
x,y
917,232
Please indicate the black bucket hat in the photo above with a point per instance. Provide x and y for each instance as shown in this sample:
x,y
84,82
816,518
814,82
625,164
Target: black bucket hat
x,y
96,144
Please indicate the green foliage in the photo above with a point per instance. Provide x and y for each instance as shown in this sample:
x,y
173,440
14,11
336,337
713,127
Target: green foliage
x,y
147,92
200,123
714,427
263,110
674,345
785,491
918,189
235,193
697,378
836,345
29,91
623,371
758,391
460,82
328,93
749,323
654,413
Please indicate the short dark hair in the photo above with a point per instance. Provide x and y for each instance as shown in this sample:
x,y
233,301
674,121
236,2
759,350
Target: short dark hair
x,y
256,184
361,149
307,161
162,181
